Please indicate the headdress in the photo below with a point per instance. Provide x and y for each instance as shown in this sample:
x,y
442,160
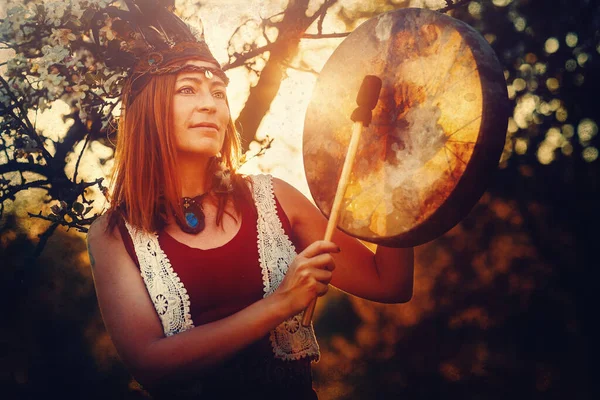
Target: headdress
x,y
150,39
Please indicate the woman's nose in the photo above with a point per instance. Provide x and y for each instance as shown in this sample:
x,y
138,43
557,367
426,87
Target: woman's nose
x,y
205,102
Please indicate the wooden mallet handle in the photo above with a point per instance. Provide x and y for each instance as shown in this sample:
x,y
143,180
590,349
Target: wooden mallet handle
x,y
366,100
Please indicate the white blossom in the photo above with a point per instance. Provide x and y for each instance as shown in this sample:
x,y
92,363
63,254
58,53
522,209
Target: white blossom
x,y
55,54
17,63
42,104
106,31
79,91
82,114
5,30
5,99
109,82
55,11
77,9
19,86
17,16
28,30
54,83
10,28
104,3
62,36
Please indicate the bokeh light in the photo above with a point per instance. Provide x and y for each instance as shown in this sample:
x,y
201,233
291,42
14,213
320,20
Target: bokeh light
x,y
540,68
571,65
568,131
586,130
582,58
551,46
520,24
552,84
545,153
562,114
475,9
567,149
501,3
590,154
519,84
571,39
521,146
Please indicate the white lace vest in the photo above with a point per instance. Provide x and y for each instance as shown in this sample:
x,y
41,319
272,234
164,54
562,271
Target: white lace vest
x,y
290,340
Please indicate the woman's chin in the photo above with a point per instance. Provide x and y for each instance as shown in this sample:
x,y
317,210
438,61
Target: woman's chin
x,y
198,152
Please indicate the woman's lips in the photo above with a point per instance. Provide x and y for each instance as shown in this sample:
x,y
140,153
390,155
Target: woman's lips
x,y
206,126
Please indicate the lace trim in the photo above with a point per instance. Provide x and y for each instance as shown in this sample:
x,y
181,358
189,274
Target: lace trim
x,y
290,340
170,297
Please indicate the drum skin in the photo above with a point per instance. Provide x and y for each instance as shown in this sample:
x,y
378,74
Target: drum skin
x,y
437,133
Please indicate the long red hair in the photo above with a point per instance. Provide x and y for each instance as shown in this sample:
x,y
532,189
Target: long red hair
x,y
146,187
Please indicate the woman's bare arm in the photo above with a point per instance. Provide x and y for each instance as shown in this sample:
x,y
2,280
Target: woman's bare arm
x,y
386,276
137,332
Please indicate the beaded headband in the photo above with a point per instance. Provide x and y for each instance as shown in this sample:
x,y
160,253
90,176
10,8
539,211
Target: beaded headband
x,y
149,40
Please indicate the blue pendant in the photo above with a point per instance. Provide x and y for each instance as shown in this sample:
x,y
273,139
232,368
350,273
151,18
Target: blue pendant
x,y
191,220
193,214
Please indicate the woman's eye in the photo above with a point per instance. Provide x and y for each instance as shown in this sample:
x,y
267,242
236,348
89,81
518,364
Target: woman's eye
x,y
186,90
219,95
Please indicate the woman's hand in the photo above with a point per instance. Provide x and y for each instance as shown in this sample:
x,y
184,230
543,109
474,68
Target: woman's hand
x,y
308,276
386,277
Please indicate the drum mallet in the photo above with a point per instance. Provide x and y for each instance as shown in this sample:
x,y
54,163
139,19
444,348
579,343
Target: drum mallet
x,y
366,99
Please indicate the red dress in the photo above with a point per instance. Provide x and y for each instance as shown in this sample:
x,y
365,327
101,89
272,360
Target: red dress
x,y
221,282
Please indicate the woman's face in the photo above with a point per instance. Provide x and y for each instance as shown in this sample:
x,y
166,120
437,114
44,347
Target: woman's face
x,y
200,112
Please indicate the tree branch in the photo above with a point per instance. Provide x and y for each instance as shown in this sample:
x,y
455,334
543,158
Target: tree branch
x,y
451,6
14,166
11,192
28,126
325,35
76,223
87,139
242,58
43,239
291,28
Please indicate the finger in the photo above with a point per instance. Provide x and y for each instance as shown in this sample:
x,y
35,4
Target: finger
x,y
320,247
322,276
322,261
322,289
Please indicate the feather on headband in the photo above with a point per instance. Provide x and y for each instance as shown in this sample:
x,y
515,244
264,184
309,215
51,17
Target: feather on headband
x,y
149,41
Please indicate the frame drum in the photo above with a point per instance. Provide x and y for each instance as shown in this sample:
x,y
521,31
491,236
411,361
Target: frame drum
x,y
437,133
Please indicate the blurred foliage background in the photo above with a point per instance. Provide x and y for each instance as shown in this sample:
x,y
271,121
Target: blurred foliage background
x,y
503,302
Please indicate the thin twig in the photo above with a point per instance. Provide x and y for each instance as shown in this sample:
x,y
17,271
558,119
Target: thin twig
x,y
451,6
14,165
77,222
242,58
301,69
263,148
87,139
10,193
324,35
29,129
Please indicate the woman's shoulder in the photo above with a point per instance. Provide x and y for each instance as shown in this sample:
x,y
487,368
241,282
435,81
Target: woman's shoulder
x,y
105,228
277,183
294,203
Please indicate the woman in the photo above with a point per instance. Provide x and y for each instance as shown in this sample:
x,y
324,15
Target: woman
x,y
195,266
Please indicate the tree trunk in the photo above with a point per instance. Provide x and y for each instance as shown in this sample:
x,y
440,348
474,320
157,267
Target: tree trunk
x,y
292,27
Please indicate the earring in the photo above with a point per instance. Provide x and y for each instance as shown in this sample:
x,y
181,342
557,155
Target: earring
x,y
222,177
